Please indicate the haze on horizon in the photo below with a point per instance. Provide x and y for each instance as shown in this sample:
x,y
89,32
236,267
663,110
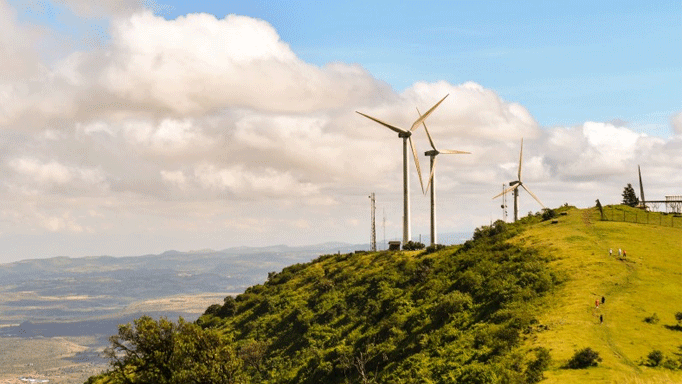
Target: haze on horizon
x,y
134,127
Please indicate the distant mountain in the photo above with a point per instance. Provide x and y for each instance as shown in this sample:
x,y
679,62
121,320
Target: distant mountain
x,y
103,285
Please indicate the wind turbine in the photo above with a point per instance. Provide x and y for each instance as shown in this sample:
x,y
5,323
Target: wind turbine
x,y
432,178
514,186
407,135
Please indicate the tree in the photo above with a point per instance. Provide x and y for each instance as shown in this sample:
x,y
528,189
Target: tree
x,y
163,352
629,196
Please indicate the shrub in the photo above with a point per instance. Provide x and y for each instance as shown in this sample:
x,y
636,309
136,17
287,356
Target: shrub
x,y
229,307
413,246
434,248
654,358
213,309
583,359
678,316
548,214
653,319
536,367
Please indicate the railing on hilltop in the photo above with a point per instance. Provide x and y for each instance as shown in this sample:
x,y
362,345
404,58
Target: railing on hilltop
x,y
611,213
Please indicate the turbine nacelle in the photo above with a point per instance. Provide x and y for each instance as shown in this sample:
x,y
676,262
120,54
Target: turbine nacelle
x,y
514,186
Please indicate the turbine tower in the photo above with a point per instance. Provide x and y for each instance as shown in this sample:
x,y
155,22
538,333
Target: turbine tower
x,y
373,237
406,135
641,189
514,186
432,178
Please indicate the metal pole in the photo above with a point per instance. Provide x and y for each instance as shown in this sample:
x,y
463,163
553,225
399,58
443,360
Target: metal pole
x,y
406,197
373,239
433,204
516,204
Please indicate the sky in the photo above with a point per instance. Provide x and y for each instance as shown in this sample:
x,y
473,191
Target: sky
x,y
131,127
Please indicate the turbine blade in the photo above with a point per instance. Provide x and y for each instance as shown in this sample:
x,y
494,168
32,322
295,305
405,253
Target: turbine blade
x,y
427,133
535,197
416,163
433,171
453,152
520,159
513,187
389,126
424,116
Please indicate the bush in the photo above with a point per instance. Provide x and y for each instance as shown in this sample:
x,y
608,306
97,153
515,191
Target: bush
x,y
534,372
583,359
548,214
654,358
678,316
434,248
413,246
653,319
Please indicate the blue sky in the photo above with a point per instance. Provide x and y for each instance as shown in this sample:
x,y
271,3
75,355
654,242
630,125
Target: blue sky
x,y
130,127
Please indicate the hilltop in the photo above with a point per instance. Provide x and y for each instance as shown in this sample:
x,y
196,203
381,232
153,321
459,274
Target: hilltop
x,y
516,300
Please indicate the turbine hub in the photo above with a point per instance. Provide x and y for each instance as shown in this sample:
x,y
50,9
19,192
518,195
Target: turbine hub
x,y
405,135
513,183
432,152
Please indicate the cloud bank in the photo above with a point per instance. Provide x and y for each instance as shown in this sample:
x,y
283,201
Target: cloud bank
x,y
206,132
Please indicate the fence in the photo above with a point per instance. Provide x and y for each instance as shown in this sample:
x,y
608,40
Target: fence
x,y
643,217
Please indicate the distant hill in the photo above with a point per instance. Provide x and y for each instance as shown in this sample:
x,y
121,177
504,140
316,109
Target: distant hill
x,y
69,289
512,305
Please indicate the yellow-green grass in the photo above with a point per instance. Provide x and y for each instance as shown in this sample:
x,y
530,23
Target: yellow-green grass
x,y
648,281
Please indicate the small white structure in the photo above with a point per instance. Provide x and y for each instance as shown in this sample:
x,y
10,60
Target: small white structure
x,y
673,203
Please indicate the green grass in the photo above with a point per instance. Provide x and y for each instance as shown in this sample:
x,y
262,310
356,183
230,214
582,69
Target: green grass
x,y
648,281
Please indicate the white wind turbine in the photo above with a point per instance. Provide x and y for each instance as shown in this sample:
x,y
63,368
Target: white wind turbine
x,y
432,178
514,186
406,135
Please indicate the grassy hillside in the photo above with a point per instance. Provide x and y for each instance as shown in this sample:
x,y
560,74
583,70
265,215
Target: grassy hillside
x,y
487,311
647,281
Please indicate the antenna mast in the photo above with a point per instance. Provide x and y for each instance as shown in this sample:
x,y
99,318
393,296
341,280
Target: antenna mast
x,y
373,240
384,228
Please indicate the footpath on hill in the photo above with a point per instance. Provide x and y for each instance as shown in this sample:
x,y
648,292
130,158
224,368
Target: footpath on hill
x,y
646,281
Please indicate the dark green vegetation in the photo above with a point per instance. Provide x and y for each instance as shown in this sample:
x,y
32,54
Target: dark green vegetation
x,y
413,246
584,358
458,314
629,196
512,305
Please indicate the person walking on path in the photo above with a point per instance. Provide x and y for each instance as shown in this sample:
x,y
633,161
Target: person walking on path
x,y
603,299
601,319
610,251
596,303
620,253
624,254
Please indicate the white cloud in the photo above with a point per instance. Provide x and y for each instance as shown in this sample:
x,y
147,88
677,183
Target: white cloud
x,y
43,173
245,183
676,123
54,176
196,63
175,177
169,136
